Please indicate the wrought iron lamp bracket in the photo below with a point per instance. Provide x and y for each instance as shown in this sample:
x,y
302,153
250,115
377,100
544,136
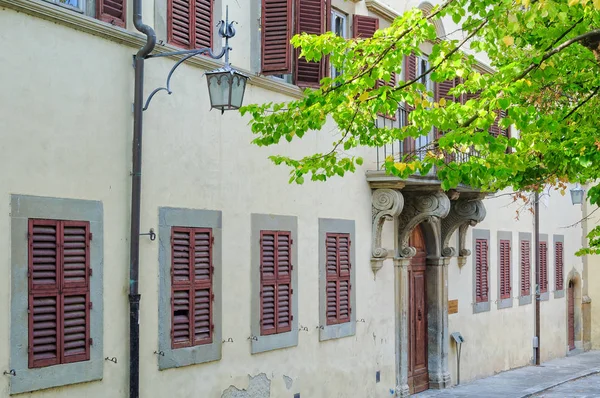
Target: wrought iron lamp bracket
x,y
226,31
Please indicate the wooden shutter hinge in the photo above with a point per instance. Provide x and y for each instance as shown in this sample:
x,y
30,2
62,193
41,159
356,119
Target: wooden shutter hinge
x,y
91,235
91,305
212,327
91,271
212,241
212,297
291,291
291,317
91,341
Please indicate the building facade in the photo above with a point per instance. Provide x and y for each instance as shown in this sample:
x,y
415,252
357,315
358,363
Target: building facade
x,y
349,288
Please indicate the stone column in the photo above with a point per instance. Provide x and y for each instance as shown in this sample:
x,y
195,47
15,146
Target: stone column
x,y
401,308
437,322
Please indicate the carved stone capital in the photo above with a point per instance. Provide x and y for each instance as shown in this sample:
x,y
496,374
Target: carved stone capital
x,y
386,205
417,209
463,213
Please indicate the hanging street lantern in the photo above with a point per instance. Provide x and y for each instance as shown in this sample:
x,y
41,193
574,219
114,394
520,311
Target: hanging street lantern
x,y
226,88
577,194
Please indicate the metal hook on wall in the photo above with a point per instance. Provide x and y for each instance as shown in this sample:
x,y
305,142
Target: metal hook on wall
x,y
303,328
253,338
161,353
11,372
229,340
151,234
361,320
113,359
321,327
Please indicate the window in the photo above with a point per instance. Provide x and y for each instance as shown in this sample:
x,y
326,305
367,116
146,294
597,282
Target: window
x,y
525,267
190,275
504,269
559,258
191,286
56,333
336,280
59,292
543,270
190,23
275,282
111,11
274,324
339,26
276,52
481,268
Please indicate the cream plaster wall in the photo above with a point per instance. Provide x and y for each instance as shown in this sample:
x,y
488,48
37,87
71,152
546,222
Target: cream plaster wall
x,y
593,281
66,132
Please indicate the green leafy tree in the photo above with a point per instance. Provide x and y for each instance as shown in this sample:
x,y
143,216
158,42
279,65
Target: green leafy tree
x,y
545,55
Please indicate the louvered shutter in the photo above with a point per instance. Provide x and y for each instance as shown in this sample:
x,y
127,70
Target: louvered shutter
x,y
275,39
311,18
442,90
44,302
558,261
505,287
410,74
191,286
543,271
525,268
190,23
75,247
112,11
59,303
338,268
481,270
276,282
364,27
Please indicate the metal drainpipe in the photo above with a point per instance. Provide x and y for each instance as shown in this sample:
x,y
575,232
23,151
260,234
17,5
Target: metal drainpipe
x,y
537,275
136,186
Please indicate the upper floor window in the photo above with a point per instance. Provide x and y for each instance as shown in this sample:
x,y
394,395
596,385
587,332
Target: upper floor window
x,y
481,270
190,23
111,11
339,26
543,267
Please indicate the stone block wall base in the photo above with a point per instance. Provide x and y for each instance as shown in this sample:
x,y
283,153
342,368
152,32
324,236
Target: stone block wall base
x,y
402,391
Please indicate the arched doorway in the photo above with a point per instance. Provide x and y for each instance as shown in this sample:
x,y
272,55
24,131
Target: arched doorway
x,y
571,315
418,373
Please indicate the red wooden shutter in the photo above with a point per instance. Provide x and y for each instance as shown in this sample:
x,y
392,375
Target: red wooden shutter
x,y
311,18
505,287
191,286
181,278
59,297
363,26
558,261
276,282
189,23
276,35
112,11
75,247
543,271
525,268
410,73
337,247
44,301
481,270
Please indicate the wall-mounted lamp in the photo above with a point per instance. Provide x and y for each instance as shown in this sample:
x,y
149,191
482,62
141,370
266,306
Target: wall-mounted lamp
x,y
577,194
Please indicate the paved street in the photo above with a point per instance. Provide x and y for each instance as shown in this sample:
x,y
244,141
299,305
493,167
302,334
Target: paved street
x,y
550,380
586,387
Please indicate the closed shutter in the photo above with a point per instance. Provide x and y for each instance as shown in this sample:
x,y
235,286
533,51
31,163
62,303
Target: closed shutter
x,y
191,286
276,282
112,11
481,270
410,74
275,39
59,298
558,261
442,90
364,27
338,268
505,287
543,271
525,268
311,18
189,23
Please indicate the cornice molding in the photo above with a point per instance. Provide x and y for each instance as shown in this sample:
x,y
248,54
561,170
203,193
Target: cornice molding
x,y
131,39
382,10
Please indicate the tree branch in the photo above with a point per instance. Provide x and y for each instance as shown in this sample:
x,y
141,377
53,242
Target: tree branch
x,y
582,103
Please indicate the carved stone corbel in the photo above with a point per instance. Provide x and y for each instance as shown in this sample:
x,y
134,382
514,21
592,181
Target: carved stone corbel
x,y
418,208
387,205
464,213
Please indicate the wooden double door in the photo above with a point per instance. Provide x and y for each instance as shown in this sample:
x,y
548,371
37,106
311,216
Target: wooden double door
x,y
418,373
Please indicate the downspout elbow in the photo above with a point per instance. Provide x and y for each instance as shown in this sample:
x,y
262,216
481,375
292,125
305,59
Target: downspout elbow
x,y
145,29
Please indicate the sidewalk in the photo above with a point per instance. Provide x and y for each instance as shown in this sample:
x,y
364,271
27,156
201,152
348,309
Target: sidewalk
x,y
526,381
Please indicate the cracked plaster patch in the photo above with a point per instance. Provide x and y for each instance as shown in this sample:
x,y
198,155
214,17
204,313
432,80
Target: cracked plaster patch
x,y
259,386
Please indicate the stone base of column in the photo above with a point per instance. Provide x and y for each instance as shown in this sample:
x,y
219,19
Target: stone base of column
x,y
402,391
440,381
